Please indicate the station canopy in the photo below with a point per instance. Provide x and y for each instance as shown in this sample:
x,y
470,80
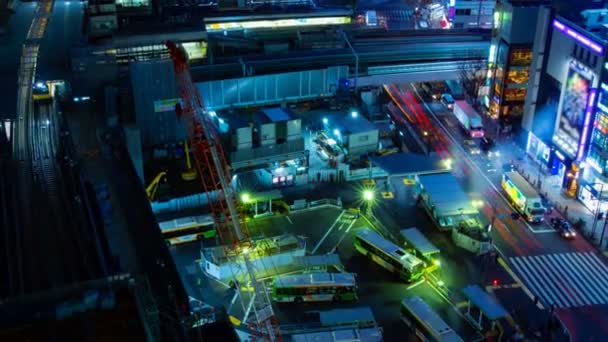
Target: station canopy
x,y
484,302
402,164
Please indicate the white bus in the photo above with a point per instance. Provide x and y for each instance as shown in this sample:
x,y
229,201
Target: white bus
x,y
425,323
315,287
187,229
389,255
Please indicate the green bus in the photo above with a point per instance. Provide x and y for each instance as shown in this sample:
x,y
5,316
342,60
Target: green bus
x,y
315,287
389,255
425,323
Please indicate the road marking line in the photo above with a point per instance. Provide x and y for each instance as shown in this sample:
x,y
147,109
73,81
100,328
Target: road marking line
x,y
328,231
288,219
543,231
516,278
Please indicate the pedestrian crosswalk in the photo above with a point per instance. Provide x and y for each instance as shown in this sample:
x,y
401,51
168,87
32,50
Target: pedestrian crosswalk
x,y
565,279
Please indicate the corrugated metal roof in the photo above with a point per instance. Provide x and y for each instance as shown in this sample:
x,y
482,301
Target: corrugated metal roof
x,y
487,304
446,194
276,114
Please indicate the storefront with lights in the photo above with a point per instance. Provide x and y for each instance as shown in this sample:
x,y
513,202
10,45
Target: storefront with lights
x,y
594,178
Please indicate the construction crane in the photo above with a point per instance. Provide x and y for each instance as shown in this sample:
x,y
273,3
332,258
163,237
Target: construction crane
x,y
215,176
189,174
154,184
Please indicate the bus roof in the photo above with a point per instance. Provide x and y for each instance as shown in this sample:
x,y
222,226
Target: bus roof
x,y
521,183
352,316
341,335
430,319
186,222
390,248
317,278
415,237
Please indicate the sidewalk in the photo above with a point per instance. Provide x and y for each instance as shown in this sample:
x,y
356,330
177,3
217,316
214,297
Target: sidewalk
x,y
550,186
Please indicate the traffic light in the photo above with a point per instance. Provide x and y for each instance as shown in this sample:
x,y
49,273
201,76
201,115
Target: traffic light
x,y
495,282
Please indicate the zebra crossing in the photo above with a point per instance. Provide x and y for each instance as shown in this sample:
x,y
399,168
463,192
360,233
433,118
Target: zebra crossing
x,y
566,279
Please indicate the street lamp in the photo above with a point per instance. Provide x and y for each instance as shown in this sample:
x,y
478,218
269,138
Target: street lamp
x,y
368,196
245,197
447,163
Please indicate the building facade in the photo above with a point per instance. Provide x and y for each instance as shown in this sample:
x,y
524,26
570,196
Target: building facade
x,y
471,13
567,108
510,59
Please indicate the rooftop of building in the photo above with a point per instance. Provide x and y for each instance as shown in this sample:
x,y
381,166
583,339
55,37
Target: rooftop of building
x,y
351,124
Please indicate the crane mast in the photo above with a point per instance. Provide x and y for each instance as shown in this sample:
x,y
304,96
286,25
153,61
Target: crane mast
x,y
216,178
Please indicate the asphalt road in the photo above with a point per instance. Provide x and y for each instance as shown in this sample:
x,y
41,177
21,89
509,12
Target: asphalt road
x,y
566,274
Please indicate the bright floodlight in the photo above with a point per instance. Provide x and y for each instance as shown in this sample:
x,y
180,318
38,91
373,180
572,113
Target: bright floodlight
x,y
447,163
245,197
437,262
354,114
325,121
336,132
477,203
368,195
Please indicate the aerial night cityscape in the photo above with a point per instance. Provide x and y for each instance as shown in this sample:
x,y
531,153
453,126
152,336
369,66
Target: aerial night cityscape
x,y
303,170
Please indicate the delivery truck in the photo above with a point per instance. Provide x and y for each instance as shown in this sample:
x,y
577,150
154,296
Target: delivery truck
x,y
468,118
523,196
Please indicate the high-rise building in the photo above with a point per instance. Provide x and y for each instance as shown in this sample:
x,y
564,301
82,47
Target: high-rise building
x,y
510,58
566,111
471,13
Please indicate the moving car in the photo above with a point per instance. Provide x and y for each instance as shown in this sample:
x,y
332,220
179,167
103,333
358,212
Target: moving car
x,y
471,147
563,227
488,147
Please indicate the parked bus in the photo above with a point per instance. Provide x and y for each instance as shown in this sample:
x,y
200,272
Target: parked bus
x,y
419,245
425,323
389,255
315,287
187,229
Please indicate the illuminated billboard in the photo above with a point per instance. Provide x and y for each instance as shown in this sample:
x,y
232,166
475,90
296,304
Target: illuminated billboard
x,y
276,23
575,96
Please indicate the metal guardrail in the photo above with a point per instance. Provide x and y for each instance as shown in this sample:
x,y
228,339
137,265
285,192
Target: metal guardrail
x,y
300,205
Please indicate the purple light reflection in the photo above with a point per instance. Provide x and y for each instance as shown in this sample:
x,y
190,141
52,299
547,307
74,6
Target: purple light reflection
x,y
588,112
578,37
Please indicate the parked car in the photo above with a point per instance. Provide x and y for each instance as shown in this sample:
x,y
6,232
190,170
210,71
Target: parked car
x,y
564,228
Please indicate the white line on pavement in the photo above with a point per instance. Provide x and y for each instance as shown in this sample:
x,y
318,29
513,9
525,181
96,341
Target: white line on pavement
x,y
343,236
288,219
328,231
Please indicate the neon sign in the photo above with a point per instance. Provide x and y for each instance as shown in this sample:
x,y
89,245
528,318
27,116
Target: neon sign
x,y
578,37
588,112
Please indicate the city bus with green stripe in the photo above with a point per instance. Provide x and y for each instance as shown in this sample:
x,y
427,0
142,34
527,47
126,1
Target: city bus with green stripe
x,y
388,255
315,287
